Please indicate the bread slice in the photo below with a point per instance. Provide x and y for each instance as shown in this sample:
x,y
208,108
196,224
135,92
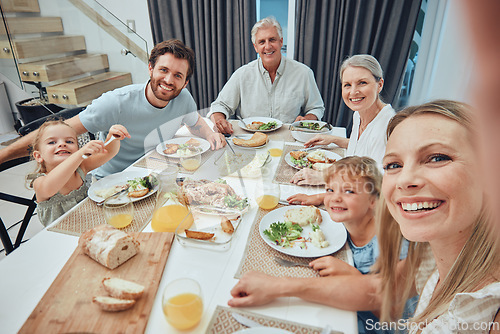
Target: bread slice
x,y
171,148
258,139
297,155
108,245
255,125
122,289
111,304
304,215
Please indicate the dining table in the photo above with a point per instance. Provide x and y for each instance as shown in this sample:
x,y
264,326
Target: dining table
x,y
27,273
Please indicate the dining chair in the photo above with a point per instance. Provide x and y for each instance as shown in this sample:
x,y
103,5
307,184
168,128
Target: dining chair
x,y
29,203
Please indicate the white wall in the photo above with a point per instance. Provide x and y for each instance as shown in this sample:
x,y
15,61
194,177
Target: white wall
x,y
445,62
132,10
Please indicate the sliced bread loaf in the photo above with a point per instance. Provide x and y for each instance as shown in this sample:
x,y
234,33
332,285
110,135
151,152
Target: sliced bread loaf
x,y
122,289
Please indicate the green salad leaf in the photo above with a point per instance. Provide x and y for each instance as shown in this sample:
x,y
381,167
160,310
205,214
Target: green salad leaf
x,y
268,126
232,201
281,233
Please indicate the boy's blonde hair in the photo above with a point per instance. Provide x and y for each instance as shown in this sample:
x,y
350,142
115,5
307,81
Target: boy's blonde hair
x,y
477,262
355,168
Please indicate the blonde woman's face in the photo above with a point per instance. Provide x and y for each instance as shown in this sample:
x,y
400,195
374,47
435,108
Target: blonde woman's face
x,y
431,182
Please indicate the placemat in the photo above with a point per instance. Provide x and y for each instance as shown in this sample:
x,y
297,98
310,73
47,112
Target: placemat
x,y
259,256
154,160
285,172
222,322
88,215
282,134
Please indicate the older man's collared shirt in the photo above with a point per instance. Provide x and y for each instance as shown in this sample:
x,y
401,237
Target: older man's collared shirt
x,y
250,92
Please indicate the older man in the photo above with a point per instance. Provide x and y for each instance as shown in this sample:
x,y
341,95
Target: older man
x,y
161,106
271,86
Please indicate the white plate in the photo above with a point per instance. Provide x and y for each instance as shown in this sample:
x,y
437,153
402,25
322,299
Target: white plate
x,y
246,137
328,154
118,179
335,234
249,120
263,330
205,145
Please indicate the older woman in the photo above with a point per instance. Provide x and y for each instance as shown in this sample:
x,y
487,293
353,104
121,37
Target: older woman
x,y
362,81
434,195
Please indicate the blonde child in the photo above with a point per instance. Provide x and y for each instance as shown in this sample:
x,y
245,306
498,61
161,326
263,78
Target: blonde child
x,y
59,181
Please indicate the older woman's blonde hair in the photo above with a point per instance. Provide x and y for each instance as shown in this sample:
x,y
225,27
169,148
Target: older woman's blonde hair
x,y
477,262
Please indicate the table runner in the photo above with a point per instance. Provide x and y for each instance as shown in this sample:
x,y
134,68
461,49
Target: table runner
x,y
88,215
154,160
259,256
282,134
285,172
222,322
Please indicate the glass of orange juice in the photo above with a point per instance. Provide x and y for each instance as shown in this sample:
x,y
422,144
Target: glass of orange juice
x,y
118,211
267,194
182,303
191,162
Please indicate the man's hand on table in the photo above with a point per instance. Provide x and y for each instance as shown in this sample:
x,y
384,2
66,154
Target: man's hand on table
x,y
216,140
254,288
221,124
308,117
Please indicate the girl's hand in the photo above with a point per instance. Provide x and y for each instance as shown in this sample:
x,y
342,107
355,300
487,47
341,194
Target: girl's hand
x,y
118,131
92,147
304,199
319,140
331,266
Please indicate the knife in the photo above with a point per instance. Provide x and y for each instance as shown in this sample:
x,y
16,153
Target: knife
x,y
245,321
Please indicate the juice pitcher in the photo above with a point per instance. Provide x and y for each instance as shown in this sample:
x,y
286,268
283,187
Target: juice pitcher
x,y
170,210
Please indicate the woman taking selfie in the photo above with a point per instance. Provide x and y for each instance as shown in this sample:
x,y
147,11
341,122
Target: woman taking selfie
x,y
433,197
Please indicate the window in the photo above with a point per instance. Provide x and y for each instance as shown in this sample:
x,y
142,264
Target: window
x,y
278,9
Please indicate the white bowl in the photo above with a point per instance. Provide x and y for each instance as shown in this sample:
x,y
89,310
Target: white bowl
x,y
303,136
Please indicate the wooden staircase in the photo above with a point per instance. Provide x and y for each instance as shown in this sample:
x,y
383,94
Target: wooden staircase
x,y
45,55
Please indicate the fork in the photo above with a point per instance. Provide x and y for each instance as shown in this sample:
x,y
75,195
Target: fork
x,y
288,263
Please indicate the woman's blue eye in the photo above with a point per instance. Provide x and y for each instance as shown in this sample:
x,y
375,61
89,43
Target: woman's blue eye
x,y
439,158
329,190
349,192
392,165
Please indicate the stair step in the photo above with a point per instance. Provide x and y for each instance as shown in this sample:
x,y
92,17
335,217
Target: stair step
x,y
43,46
63,68
32,25
14,6
85,90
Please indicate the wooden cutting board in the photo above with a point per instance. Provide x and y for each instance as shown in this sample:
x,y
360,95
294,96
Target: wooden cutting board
x,y
67,305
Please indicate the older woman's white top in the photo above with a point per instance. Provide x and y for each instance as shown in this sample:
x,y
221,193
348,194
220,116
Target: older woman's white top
x,y
373,140
468,312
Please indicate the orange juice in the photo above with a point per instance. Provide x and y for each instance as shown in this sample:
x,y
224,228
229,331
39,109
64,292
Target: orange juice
x,y
191,164
275,152
267,202
167,218
120,220
183,311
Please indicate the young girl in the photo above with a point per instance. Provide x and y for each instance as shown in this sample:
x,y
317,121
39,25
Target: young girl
x,y
59,182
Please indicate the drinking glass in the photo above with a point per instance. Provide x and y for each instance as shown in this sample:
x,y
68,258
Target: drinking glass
x,y
193,161
182,303
267,194
119,211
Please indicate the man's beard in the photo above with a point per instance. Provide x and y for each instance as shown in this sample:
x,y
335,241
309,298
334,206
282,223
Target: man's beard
x,y
163,97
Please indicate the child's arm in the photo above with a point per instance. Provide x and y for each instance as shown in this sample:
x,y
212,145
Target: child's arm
x,y
331,266
99,158
47,186
304,199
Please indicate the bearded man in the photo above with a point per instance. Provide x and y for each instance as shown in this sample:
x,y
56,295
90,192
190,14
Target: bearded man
x,y
156,109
